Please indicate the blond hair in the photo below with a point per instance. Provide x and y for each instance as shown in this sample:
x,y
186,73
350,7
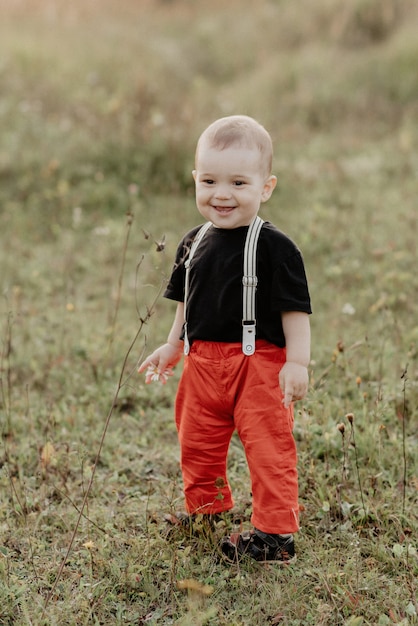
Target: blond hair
x,y
242,131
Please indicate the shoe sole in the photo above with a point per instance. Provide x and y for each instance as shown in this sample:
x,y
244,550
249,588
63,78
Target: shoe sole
x,y
264,563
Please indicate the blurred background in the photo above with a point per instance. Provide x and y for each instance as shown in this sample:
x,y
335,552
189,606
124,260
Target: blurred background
x,y
101,103
93,92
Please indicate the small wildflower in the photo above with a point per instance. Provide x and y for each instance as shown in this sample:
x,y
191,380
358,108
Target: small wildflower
x,y
350,417
133,189
101,231
341,428
154,375
348,309
358,381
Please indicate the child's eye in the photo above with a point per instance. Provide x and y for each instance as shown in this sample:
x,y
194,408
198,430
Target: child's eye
x,y
209,181
239,183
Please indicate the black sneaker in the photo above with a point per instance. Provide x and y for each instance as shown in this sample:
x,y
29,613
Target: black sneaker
x,y
259,546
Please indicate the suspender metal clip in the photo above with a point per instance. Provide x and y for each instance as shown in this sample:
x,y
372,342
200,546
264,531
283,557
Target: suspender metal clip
x,y
248,337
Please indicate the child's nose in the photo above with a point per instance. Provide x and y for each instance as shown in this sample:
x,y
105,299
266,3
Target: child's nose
x,y
223,191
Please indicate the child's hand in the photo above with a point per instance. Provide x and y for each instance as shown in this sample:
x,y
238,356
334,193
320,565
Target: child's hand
x,y
294,380
154,375
160,363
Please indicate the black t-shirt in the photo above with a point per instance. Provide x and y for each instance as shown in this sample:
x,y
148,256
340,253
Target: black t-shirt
x,y
214,303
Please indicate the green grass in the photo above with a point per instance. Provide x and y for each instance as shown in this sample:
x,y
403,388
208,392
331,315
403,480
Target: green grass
x,y
100,109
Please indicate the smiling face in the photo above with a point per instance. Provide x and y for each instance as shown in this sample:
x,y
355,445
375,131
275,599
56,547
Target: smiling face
x,y
230,184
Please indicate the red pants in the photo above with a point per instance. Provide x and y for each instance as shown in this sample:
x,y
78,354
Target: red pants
x,y
221,390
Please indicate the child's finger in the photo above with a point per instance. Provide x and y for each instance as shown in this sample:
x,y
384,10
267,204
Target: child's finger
x,y
287,396
287,400
145,364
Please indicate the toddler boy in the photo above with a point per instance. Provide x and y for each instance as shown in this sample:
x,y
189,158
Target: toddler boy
x,y
229,382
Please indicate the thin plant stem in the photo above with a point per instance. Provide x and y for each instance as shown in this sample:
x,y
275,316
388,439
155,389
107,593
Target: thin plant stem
x,y
6,387
350,418
341,428
129,221
84,515
404,377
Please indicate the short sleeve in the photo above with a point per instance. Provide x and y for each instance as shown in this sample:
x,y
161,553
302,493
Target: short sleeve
x,y
290,287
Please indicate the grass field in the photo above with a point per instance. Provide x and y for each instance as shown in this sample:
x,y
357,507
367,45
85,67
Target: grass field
x,y
100,107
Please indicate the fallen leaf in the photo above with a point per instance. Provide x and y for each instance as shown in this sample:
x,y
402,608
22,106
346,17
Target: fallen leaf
x,y
48,454
190,584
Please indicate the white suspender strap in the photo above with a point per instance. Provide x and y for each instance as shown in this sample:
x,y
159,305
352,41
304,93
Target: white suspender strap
x,y
198,238
249,281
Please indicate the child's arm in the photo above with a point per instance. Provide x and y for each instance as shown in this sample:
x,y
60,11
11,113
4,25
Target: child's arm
x,y
293,376
169,353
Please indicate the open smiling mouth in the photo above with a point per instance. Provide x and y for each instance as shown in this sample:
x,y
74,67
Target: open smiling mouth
x,y
224,209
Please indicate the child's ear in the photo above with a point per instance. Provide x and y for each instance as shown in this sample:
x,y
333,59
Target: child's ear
x,y
268,189
194,174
